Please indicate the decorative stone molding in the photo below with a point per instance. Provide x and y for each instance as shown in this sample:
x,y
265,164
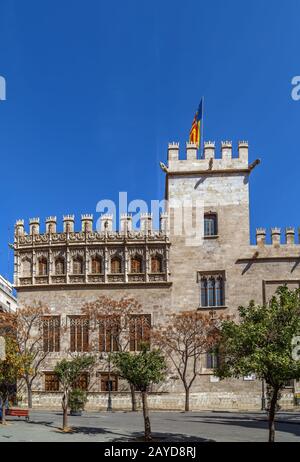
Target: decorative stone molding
x,y
86,245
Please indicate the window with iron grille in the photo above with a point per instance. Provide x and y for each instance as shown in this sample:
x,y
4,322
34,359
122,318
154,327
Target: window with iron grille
x,y
115,265
210,224
83,382
136,265
96,265
109,329
156,264
139,330
51,333
51,382
109,381
79,333
212,291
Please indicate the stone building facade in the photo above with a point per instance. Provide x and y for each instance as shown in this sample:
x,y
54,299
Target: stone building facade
x,y
163,270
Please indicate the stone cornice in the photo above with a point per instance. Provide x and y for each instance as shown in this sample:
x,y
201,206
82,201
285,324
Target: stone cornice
x,y
87,286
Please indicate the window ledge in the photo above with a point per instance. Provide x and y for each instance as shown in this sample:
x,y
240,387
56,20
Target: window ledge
x,y
211,237
211,308
206,371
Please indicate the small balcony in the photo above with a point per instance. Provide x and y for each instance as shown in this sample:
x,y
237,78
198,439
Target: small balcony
x,y
136,277
96,278
157,277
59,279
116,277
25,281
76,278
41,280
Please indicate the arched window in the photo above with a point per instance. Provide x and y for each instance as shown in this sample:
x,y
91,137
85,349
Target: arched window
x,y
156,264
212,291
204,292
26,267
96,265
77,265
115,265
59,266
210,224
42,266
136,265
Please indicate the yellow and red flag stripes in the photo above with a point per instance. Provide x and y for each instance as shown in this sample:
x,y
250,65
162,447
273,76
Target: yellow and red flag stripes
x,y
195,132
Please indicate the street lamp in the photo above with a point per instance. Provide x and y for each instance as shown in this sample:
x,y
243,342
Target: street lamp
x,y
109,383
263,396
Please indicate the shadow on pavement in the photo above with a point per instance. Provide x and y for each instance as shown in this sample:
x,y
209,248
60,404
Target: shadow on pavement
x,y
261,424
162,438
86,430
33,422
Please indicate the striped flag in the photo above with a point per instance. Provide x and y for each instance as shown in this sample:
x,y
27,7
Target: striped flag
x,y
195,133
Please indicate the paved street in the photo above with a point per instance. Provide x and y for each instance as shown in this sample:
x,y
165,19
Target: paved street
x,y
166,426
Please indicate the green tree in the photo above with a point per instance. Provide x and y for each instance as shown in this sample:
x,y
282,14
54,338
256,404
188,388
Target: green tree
x,y
142,370
68,373
10,370
262,343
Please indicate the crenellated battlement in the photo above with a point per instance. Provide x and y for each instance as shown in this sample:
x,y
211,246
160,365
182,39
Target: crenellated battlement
x,y
210,161
277,237
89,227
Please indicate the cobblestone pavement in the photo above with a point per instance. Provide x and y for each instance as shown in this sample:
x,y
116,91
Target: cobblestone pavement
x,y
166,426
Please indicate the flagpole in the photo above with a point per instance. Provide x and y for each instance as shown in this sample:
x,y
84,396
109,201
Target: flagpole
x,y
202,131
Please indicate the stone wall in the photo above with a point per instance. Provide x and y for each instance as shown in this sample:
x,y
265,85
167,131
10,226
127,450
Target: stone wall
x,y
200,401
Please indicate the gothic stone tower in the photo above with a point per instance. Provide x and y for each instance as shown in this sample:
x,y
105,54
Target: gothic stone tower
x,y
216,191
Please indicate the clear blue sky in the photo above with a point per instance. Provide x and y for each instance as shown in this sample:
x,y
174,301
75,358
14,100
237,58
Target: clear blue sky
x,y
96,90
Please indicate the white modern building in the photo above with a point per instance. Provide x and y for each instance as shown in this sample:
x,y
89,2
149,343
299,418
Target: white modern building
x,y
7,299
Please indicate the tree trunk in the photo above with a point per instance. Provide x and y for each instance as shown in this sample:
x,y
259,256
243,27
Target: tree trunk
x,y
65,411
148,436
29,394
65,418
3,420
187,399
133,398
272,412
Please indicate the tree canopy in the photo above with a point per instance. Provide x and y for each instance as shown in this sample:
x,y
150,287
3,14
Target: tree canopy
x,y
141,369
263,343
